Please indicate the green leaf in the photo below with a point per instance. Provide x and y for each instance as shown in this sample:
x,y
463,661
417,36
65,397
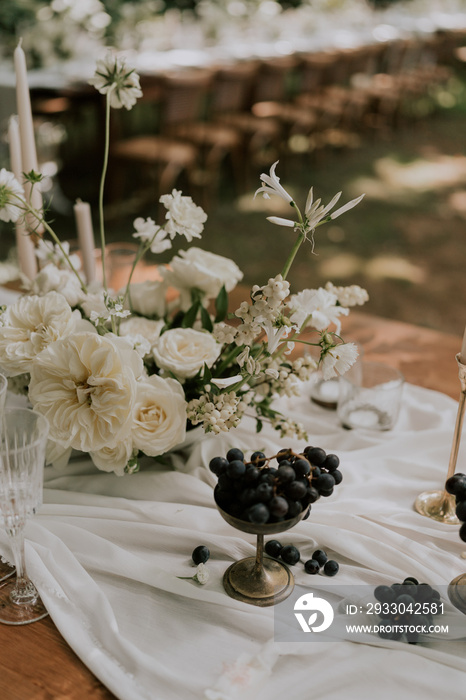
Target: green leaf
x,y
259,425
221,305
190,315
206,320
207,375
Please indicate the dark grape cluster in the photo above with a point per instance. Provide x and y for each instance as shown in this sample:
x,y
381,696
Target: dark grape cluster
x,y
456,485
291,555
405,607
272,489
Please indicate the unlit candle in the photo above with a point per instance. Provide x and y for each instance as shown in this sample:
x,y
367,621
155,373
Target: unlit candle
x,y
82,212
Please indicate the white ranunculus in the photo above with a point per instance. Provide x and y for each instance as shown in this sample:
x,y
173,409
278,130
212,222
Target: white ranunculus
x,y
184,351
51,278
115,458
138,325
318,304
33,323
159,415
85,385
198,269
183,216
148,298
338,360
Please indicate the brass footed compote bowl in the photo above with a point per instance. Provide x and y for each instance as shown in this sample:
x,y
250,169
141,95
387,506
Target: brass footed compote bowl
x,y
259,580
265,497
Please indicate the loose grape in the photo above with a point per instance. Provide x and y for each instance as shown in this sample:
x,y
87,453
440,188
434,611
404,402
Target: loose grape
x,y
338,476
384,594
463,532
236,469
324,482
410,579
217,465
301,467
273,548
251,475
424,593
201,554
234,453
311,566
294,509
312,495
454,482
264,492
316,456
461,510
320,556
296,490
331,567
331,463
258,514
278,506
285,474
283,454
326,492
258,458
290,554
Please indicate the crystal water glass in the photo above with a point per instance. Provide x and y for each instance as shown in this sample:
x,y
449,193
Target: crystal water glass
x,y
6,569
22,457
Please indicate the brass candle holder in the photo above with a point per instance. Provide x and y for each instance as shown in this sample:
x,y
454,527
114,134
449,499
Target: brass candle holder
x,y
440,505
258,580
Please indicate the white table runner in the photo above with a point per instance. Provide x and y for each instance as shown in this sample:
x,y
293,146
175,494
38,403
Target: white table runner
x,y
105,553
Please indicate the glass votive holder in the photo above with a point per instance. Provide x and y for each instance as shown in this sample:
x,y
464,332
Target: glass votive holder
x,y
370,396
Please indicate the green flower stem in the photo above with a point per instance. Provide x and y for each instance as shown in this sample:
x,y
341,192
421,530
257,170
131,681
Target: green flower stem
x,y
49,229
229,358
102,185
139,255
297,245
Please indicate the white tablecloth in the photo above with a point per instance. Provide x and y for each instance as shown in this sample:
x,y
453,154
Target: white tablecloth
x,y
105,553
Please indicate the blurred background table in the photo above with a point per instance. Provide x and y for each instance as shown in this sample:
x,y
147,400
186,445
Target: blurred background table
x,y
36,663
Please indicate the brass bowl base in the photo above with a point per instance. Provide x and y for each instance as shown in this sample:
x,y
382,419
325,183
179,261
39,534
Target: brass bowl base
x,y
268,585
437,505
457,592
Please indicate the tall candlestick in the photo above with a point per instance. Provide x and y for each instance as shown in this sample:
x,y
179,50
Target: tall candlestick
x,y
25,247
463,349
26,129
82,212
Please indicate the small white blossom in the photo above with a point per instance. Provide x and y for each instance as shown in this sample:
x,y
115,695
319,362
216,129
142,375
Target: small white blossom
x,y
148,231
183,216
47,252
317,308
10,190
201,576
113,77
353,295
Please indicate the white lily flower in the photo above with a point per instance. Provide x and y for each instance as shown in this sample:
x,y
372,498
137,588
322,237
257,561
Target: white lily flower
x,y
281,222
271,185
274,335
346,207
223,382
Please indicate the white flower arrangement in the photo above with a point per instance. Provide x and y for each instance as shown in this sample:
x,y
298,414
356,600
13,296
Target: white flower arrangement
x,y
124,373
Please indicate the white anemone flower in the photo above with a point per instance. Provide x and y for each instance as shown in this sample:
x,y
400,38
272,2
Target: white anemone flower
x,y
271,185
10,191
112,76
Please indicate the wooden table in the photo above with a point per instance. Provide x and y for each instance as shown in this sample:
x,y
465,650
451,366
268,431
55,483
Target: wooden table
x,y
35,661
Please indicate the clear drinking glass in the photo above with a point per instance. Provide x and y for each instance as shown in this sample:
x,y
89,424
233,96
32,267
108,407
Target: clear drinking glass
x,y
6,569
22,457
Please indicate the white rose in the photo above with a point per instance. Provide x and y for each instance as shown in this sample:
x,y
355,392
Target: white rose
x,y
32,323
51,278
113,459
138,325
199,269
159,415
184,351
86,387
148,298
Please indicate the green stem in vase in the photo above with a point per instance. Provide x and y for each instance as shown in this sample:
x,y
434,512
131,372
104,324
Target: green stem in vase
x,y
102,185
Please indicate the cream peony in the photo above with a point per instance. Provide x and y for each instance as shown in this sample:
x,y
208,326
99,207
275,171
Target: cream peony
x,y
159,415
86,387
33,323
199,269
184,351
115,458
148,298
